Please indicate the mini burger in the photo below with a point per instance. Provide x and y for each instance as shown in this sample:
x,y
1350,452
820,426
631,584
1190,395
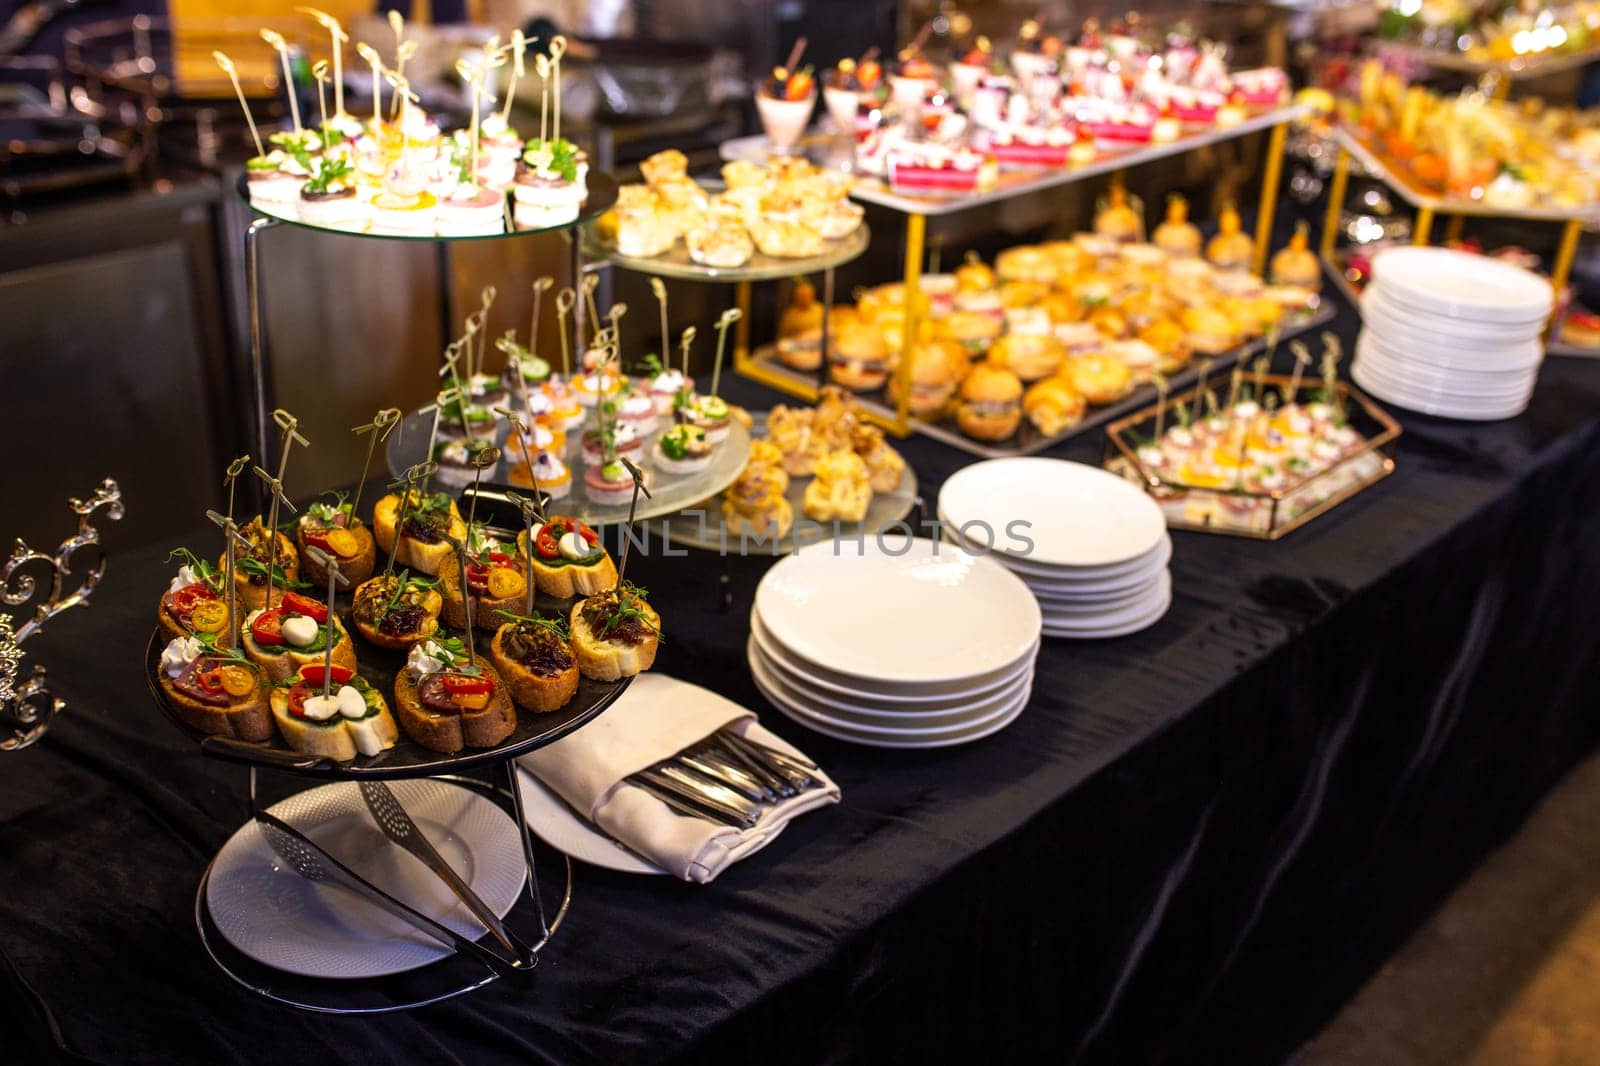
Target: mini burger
x,y
973,330
935,372
1030,356
860,359
990,406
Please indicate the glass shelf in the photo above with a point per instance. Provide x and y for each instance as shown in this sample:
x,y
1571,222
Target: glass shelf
x,y
602,195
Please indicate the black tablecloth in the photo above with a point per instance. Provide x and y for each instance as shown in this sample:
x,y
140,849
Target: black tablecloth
x,y
1191,846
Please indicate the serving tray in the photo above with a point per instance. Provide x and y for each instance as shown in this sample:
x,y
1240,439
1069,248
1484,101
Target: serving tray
x,y
407,758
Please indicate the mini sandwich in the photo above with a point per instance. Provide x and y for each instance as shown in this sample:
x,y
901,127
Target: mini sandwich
x,y
294,633
251,571
397,610
860,358
215,691
194,603
334,529
1053,405
495,582
1030,356
351,720
446,701
936,370
975,331
568,559
536,660
1100,377
990,403
615,633
682,449
429,519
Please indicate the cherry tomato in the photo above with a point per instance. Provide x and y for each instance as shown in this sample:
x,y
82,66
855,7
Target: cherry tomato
x,y
462,685
189,597
295,603
546,545
587,534
297,700
208,616
267,629
312,675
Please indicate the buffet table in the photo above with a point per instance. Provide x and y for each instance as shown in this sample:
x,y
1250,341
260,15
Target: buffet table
x,y
1193,845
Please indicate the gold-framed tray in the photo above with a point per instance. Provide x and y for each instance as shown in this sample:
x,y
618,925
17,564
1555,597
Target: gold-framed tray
x,y
1261,473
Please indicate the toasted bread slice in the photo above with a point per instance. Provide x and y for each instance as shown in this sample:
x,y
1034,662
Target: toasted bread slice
x,y
449,733
483,608
243,718
611,660
431,605
565,579
252,595
423,558
284,662
172,628
535,692
338,738
354,569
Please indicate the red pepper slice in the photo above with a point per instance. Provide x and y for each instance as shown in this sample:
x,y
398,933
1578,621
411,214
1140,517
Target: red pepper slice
x,y
210,680
312,675
461,685
295,603
267,629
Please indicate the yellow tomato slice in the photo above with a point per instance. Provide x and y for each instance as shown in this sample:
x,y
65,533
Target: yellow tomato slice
x,y
209,616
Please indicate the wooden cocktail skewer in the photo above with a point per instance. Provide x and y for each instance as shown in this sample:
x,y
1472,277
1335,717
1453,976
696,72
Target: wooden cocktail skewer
x,y
530,511
452,356
384,421
233,75
540,285
474,77
1202,389
486,304
231,478
516,50
1235,385
1302,359
397,26
728,318
338,38
614,315
541,67
658,289
521,429
402,90
591,282
685,342
685,393
291,436
336,581
373,60
1160,381
558,48
565,300
433,435
1258,371
275,39
488,457
231,537
319,71
795,53
633,507
405,484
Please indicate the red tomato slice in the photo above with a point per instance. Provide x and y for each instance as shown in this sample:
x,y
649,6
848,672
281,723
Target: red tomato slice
x,y
210,680
587,534
312,675
297,700
546,545
267,629
461,685
189,597
312,609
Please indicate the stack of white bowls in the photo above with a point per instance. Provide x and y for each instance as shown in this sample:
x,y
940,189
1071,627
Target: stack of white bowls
x,y
1091,546
894,642
1451,334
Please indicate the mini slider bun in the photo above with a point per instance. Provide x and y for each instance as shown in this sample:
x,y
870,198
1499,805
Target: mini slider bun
x,y
1030,356
935,372
860,358
450,731
537,662
990,407
1052,405
354,721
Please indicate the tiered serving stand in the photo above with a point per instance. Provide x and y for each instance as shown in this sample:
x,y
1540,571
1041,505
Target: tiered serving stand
x,y
918,209
520,937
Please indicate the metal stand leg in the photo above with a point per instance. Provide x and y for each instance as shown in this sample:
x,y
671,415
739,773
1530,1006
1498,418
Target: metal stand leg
x,y
1336,190
1269,195
826,345
1561,269
741,329
1452,230
258,340
916,233
1423,226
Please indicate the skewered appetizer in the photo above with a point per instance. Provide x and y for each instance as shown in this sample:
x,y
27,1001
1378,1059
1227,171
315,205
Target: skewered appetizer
x,y
294,633
216,691
534,656
194,603
609,484
250,577
568,558
397,611
550,475
353,719
456,460
447,700
682,449
496,582
712,414
334,528
421,543
615,633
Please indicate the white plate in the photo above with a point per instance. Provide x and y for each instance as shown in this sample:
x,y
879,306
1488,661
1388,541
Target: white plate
x,y
1452,409
979,716
280,919
1395,305
877,741
553,822
866,713
1076,515
853,688
1461,285
932,614
1159,590
1407,362
1030,571
1467,342
1051,607
1104,631
1444,388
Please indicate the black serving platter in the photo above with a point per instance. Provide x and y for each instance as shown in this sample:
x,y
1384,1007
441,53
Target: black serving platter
x,y
407,758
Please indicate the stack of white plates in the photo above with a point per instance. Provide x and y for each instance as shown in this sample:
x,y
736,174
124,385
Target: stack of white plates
x,y
1092,547
1451,334
894,642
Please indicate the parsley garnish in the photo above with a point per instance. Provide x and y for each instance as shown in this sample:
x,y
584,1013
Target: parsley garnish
x,y
208,574
326,173
556,624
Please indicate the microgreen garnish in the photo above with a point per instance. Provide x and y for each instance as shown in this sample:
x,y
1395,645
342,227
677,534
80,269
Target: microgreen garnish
x,y
327,172
452,653
630,604
555,624
208,574
256,568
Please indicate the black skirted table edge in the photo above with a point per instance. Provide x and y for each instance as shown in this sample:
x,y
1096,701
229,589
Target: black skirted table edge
x,y
1193,845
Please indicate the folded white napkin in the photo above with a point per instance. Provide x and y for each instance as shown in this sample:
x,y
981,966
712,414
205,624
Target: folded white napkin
x,y
656,718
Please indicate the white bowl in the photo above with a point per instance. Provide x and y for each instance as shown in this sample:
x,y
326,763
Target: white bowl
x,y
784,121
842,105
